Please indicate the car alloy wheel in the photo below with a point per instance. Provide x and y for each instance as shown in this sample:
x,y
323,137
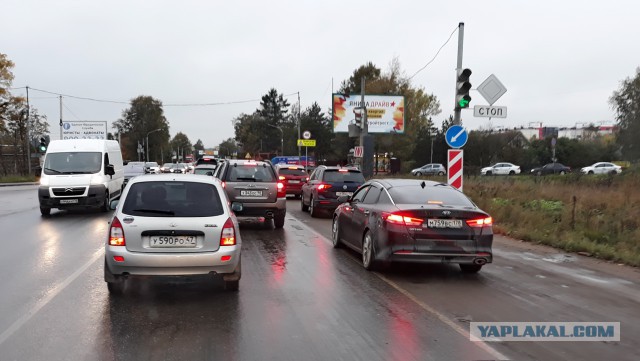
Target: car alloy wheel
x,y
335,233
368,252
303,207
312,209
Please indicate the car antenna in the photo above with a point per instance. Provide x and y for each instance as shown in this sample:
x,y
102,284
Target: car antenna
x,y
423,184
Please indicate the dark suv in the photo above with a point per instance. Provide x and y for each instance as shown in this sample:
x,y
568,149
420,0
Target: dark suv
x,y
326,184
254,189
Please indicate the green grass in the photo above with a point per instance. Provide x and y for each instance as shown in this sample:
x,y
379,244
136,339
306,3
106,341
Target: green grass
x,y
17,179
595,214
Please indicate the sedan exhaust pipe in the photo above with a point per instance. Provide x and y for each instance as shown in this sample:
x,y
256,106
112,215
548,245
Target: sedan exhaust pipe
x,y
480,261
269,214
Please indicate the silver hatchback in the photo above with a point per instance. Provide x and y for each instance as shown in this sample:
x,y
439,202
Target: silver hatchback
x,y
172,225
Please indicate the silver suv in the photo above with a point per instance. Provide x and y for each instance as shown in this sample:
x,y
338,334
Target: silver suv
x,y
254,189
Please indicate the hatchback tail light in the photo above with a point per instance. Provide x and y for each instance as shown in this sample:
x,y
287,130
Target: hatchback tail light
x,y
281,177
480,222
282,191
116,233
323,187
400,219
228,235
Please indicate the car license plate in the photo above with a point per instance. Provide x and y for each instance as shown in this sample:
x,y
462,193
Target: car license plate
x,y
68,201
294,181
444,223
340,194
172,241
251,193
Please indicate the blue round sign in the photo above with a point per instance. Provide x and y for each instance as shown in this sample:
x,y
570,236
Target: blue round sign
x,y
456,136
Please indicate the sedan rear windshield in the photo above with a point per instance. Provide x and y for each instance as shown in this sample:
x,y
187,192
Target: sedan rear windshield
x,y
430,195
203,170
173,199
351,176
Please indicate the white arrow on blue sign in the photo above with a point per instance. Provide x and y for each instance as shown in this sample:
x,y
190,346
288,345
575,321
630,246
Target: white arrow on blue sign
x,y
456,136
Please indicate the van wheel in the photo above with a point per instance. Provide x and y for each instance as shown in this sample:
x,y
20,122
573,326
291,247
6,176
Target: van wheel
x,y
45,211
105,206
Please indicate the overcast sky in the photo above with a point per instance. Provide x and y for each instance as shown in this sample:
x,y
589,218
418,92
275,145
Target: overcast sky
x,y
560,60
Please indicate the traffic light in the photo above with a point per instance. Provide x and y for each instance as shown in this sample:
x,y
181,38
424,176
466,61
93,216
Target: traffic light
x,y
42,147
358,112
462,89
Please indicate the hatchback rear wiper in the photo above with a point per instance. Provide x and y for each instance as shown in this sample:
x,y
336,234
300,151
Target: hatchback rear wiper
x,y
159,211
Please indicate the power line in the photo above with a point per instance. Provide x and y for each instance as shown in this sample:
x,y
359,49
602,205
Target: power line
x,y
434,57
67,108
165,105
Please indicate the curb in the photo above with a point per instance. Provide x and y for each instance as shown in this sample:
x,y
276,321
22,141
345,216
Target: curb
x,y
19,184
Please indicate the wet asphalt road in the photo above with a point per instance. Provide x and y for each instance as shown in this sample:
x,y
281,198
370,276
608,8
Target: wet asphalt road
x,y
299,299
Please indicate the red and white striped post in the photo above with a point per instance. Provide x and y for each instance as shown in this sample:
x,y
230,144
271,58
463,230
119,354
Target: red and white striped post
x,y
454,168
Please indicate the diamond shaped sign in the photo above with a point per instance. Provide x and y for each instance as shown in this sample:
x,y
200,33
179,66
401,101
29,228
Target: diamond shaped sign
x,y
492,89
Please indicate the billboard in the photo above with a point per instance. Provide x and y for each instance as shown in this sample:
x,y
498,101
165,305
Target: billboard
x,y
84,130
385,113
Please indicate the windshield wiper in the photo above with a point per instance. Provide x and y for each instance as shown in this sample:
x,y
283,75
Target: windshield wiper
x,y
159,211
53,170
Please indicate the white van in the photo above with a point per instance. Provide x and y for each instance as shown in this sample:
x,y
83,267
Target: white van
x,y
79,173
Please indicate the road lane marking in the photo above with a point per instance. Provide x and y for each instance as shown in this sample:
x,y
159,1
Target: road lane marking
x,y
50,296
447,321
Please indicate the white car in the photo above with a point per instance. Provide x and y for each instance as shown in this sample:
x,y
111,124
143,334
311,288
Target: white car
x,y
172,225
152,167
602,168
501,169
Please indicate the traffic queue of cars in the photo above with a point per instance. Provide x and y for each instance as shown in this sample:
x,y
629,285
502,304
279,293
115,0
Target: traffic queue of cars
x,y
185,225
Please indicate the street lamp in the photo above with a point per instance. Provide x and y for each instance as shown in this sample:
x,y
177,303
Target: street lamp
x,y
147,143
281,135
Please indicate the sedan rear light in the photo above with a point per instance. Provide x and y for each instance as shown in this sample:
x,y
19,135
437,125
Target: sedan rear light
x,y
281,177
400,219
282,191
323,187
116,233
480,222
228,235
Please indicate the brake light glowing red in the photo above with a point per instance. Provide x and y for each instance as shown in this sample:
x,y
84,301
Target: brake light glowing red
x,y
343,170
118,258
225,258
322,187
400,219
282,191
480,222
228,235
116,233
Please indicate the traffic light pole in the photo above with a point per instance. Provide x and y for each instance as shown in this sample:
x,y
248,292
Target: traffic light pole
x,y
457,110
365,127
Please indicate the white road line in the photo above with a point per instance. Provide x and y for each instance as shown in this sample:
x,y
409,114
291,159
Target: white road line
x,y
50,296
493,352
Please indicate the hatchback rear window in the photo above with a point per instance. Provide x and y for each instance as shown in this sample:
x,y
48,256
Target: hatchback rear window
x,y
173,199
351,176
250,173
294,171
430,195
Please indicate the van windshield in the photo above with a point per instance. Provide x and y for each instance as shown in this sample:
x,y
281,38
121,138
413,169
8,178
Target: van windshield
x,y
73,163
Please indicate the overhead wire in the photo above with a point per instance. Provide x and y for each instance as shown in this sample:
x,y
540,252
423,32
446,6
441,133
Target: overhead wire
x,y
435,56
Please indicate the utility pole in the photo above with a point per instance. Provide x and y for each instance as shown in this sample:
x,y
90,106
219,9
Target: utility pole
x,y
457,110
299,106
60,116
365,126
28,140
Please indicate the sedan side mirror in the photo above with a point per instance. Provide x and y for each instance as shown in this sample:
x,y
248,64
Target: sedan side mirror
x,y
114,204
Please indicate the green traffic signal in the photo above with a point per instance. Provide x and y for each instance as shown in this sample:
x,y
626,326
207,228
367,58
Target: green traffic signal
x,y
464,101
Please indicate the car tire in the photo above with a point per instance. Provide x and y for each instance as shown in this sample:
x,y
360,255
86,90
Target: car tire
x,y
563,172
489,172
278,221
232,285
512,172
44,211
470,268
116,288
613,172
303,207
538,173
440,173
368,252
590,172
335,233
418,174
313,211
106,206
